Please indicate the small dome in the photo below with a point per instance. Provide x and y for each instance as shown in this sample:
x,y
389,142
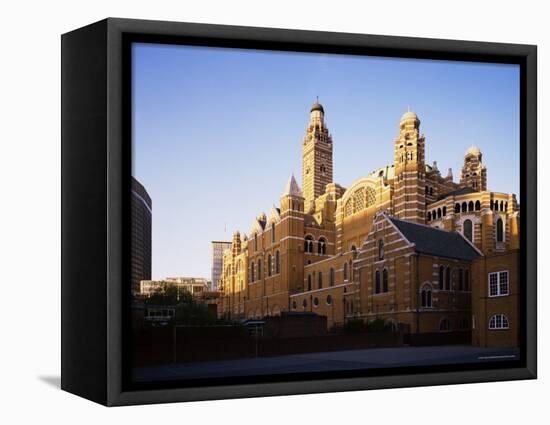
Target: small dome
x,y
317,107
409,115
473,150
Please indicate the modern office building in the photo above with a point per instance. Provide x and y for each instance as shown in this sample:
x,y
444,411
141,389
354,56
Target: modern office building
x,y
218,248
141,223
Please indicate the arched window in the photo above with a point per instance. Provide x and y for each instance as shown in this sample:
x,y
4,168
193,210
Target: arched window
x,y
309,282
277,262
329,299
499,321
320,280
431,191
252,277
429,216
331,277
323,169
506,206
478,205
464,207
259,269
380,249
457,208
460,280
322,246
466,280
304,303
345,271
439,213
445,325
385,280
471,206
353,249
377,282
448,279
426,296
492,205
501,205
308,244
350,270
467,230
316,301
269,265
272,232
441,277
255,241
444,211
426,190
500,230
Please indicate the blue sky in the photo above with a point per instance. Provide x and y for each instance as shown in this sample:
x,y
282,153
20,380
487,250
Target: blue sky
x,y
217,132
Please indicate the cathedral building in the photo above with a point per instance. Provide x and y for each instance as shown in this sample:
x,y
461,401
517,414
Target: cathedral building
x,y
403,243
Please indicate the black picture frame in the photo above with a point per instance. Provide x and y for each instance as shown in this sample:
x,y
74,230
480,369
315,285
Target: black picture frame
x,y
95,206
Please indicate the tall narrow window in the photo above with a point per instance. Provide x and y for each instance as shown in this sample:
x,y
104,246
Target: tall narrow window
x,y
385,280
277,262
426,296
467,230
441,278
269,265
345,271
255,241
466,280
460,280
500,230
322,246
252,277
350,270
259,269
380,249
320,280
448,279
309,282
377,282
272,232
331,277
308,244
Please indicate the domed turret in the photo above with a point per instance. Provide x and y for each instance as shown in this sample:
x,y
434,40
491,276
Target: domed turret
x,y
473,150
317,107
409,116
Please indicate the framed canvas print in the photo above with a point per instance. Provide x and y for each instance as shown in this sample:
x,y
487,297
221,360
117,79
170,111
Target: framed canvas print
x,y
252,212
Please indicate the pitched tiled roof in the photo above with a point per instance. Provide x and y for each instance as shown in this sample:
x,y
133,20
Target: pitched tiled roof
x,y
461,191
437,242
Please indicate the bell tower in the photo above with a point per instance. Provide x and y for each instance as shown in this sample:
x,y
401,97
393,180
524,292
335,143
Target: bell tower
x,y
316,156
409,202
474,173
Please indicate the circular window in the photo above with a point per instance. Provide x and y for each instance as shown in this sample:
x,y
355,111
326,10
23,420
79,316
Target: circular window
x,y
329,299
315,301
304,303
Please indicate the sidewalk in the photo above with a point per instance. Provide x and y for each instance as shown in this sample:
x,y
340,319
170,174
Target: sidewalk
x,y
327,361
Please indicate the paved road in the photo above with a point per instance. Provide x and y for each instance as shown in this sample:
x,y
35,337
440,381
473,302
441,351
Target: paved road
x,y
327,361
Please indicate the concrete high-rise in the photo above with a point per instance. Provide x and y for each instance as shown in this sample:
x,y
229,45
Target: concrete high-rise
x,y
141,223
